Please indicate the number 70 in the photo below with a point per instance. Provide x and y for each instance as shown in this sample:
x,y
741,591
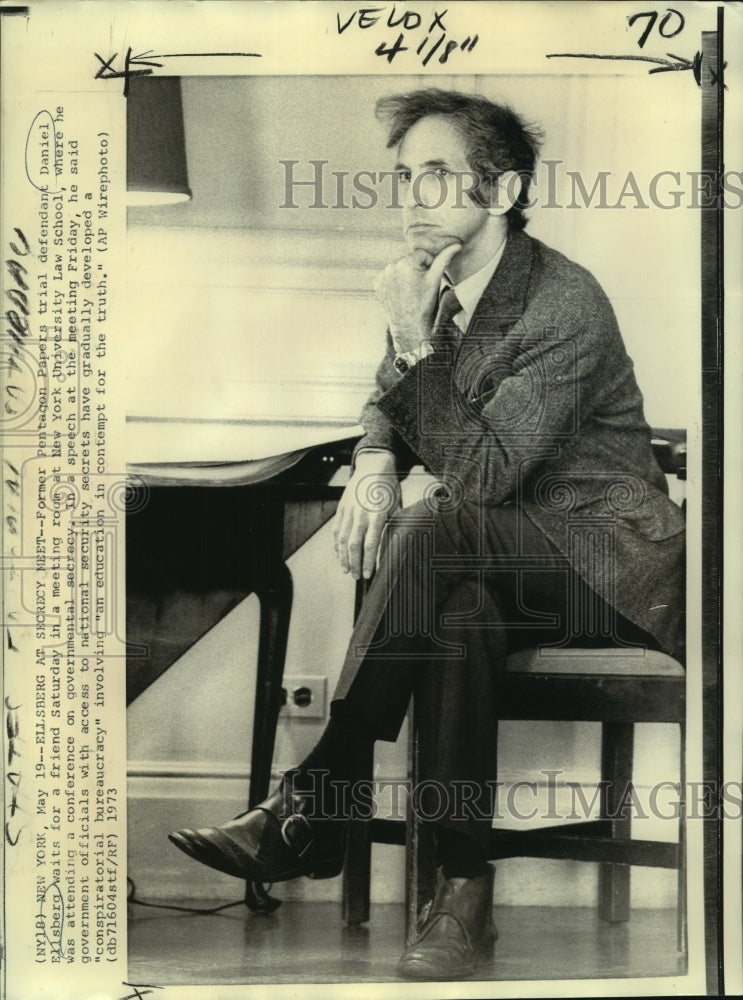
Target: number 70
x,y
652,16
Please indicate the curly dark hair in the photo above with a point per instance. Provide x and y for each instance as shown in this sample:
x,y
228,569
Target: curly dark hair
x,y
496,138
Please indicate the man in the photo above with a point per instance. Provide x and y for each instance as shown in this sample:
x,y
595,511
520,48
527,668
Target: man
x,y
506,376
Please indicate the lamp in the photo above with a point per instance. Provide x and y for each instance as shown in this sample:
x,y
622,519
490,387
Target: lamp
x,y
156,171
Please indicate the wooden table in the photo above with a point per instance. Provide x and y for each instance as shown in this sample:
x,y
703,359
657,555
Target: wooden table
x,y
210,535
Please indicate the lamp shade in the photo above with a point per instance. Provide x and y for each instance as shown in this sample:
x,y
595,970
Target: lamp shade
x,y
156,169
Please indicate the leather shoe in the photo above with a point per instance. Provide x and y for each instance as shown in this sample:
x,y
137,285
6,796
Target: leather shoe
x,y
274,842
456,931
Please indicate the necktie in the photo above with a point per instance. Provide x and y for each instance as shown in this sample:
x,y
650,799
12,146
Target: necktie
x,y
446,333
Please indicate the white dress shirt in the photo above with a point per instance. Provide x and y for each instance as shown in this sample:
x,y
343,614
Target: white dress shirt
x,y
470,290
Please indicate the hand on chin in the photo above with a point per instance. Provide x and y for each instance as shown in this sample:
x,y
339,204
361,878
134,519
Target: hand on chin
x,y
429,242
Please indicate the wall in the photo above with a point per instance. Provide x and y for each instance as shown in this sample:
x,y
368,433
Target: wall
x,y
248,311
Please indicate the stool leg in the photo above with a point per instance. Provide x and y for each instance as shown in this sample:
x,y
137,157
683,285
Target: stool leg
x,y
420,863
357,874
357,866
682,909
617,745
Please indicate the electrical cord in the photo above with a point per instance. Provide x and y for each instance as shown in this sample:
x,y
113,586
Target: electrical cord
x,y
132,898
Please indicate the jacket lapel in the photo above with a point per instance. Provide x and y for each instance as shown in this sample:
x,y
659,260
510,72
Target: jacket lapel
x,y
504,298
502,304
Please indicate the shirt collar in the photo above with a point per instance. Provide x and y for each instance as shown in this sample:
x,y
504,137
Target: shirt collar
x,y
469,290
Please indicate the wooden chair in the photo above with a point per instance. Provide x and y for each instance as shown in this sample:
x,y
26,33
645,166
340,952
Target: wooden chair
x,y
580,687
608,686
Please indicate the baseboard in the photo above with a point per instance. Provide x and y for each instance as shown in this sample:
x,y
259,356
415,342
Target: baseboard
x,y
168,795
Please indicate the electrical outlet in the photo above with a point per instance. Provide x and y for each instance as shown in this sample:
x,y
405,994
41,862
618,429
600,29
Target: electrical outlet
x,y
306,696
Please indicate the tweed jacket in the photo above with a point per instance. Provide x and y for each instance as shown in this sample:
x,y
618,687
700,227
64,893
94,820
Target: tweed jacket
x,y
539,406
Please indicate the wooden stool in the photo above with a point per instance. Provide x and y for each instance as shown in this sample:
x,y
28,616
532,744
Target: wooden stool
x,y
600,685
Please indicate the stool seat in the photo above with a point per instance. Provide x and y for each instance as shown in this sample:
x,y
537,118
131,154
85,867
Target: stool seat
x,y
592,685
609,661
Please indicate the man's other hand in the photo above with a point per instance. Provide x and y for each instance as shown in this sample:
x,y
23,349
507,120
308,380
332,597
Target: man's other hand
x,y
371,497
408,291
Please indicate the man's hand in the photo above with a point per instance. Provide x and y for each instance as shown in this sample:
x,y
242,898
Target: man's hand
x,y
371,497
408,290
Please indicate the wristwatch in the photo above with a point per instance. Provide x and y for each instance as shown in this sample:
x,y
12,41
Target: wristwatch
x,y
404,362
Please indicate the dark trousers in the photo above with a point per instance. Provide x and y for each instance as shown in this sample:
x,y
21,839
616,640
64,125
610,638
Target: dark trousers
x,y
456,591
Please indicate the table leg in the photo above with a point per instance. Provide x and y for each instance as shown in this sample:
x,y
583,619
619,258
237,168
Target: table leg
x,y
274,591
276,605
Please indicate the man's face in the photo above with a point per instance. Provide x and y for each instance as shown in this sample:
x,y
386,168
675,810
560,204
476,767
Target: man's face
x,y
434,177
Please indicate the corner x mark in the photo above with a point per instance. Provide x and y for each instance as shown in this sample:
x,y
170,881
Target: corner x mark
x,y
715,79
108,71
136,995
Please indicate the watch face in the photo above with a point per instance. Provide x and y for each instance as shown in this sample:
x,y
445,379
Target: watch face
x,y
401,365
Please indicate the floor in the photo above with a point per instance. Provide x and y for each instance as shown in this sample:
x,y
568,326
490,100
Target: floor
x,y
308,943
